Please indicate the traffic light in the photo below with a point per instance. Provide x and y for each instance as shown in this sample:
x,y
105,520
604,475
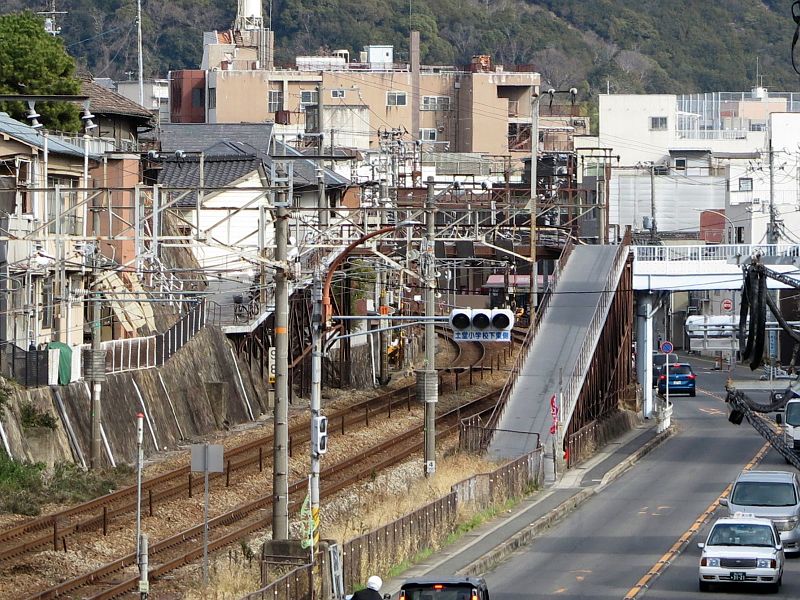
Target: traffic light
x,y
482,324
319,434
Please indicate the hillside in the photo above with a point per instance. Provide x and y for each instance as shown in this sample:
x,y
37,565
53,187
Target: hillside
x,y
629,45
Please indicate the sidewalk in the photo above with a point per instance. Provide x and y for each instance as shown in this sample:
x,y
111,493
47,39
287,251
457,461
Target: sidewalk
x,y
482,548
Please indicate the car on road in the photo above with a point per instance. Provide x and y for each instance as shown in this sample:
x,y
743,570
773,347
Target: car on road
x,y
774,495
682,379
444,588
659,358
742,549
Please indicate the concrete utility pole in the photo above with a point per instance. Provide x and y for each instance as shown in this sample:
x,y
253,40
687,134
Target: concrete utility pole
x,y
316,388
383,310
139,48
98,356
653,227
427,378
534,301
772,233
322,199
280,473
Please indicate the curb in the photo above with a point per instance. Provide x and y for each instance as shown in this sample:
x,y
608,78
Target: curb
x,y
527,535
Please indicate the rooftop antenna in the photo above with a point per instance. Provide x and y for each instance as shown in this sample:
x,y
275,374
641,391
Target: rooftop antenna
x,y
50,25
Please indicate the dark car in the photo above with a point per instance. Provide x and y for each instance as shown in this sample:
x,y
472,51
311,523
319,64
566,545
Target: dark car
x,y
658,361
444,588
682,379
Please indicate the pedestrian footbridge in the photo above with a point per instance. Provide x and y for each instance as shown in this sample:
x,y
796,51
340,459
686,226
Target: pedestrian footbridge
x,y
576,365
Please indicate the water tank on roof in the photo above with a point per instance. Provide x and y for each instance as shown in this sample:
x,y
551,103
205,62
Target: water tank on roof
x,y
251,9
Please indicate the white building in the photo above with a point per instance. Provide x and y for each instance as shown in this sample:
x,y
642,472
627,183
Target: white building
x,y
675,156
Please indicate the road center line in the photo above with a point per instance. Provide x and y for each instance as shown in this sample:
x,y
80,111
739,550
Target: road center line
x,y
682,541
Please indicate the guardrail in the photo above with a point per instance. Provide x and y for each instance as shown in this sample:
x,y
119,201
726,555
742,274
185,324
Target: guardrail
x,y
516,368
574,382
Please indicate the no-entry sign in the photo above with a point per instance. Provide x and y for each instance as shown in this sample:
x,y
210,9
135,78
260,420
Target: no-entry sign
x,y
727,304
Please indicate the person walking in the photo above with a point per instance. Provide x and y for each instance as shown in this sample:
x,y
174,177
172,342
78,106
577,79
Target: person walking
x,y
372,591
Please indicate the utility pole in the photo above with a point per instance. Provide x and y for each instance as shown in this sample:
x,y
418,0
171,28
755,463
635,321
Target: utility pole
x,y
322,200
772,233
97,362
534,301
280,472
427,378
653,226
139,44
383,336
316,387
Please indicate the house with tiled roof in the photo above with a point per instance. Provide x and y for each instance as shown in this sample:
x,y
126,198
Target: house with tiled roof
x,y
117,117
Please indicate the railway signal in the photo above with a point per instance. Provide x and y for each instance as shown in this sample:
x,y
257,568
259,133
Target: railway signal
x,y
481,324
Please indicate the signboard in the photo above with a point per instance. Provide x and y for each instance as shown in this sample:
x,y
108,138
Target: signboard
x,y
554,413
271,364
482,336
727,304
210,461
666,347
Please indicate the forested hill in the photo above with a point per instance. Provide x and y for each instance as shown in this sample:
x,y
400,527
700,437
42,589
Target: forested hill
x,y
630,45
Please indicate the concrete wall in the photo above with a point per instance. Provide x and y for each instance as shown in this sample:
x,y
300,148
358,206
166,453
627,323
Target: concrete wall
x,y
198,391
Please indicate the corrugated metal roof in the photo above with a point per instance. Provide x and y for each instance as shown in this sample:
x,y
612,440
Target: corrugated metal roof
x,y
28,135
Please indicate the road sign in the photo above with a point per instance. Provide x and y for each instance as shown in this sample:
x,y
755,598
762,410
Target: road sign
x,y
666,347
727,304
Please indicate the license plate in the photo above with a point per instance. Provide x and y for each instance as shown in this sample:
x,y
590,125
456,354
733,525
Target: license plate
x,y
738,576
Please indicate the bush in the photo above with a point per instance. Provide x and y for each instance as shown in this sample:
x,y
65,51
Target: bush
x,y
25,486
30,417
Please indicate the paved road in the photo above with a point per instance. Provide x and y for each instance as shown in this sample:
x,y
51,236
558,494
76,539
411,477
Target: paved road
x,y
603,549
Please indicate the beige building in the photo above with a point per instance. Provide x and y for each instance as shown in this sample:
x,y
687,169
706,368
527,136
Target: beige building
x,y
484,109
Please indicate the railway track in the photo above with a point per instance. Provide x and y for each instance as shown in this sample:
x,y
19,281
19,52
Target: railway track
x,y
110,580
57,529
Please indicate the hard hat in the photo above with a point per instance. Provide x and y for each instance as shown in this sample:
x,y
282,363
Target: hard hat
x,y
374,583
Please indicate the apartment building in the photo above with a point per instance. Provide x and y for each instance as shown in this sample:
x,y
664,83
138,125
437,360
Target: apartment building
x,y
485,108
678,155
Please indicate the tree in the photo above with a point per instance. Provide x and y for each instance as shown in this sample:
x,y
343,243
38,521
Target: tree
x,y
34,62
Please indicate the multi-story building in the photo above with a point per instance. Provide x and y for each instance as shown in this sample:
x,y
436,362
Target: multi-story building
x,y
155,94
485,108
676,156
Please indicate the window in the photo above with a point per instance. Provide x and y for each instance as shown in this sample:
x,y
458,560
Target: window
x,y
435,103
47,304
427,135
395,98
680,164
739,235
197,98
275,101
658,123
745,184
308,97
337,94
212,98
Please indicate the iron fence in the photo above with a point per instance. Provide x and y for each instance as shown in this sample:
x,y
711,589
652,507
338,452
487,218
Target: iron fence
x,y
429,527
27,367
151,351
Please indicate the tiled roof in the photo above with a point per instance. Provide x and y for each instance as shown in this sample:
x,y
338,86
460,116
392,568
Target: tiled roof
x,y
28,135
108,102
218,171
249,137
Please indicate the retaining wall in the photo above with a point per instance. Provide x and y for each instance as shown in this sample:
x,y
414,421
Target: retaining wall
x,y
202,388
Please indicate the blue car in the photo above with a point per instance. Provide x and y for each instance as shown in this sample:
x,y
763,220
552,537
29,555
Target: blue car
x,y
682,379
